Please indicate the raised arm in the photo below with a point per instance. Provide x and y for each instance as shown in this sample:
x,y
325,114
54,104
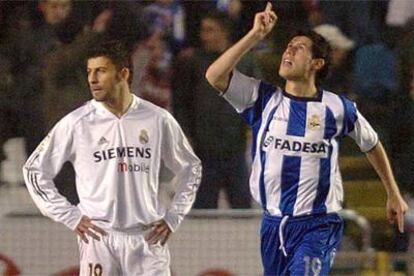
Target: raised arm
x,y
218,74
396,206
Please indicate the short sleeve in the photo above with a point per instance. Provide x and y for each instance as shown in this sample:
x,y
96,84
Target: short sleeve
x,y
249,96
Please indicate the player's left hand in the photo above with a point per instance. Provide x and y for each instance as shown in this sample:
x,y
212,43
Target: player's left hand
x,y
160,232
396,209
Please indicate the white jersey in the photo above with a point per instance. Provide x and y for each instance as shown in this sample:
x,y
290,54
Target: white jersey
x,y
295,145
117,163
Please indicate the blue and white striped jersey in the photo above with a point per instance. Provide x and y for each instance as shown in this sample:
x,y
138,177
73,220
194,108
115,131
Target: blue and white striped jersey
x,y
295,145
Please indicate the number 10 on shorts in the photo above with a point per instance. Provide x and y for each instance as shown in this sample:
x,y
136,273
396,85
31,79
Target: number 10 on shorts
x,y
312,264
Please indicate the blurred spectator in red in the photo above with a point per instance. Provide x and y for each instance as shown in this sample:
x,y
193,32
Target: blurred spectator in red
x,y
152,71
152,57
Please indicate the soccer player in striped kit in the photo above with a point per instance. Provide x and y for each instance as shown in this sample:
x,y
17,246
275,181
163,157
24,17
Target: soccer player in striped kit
x,y
116,143
297,131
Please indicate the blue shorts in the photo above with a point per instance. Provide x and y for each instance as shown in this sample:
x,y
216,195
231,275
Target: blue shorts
x,y
304,245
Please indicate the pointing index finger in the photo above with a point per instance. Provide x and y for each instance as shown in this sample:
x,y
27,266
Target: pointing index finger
x,y
268,7
400,219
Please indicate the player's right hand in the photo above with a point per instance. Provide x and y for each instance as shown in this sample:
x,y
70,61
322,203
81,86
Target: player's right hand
x,y
85,228
264,21
396,209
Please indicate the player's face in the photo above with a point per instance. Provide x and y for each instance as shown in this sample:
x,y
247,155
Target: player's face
x,y
297,59
103,78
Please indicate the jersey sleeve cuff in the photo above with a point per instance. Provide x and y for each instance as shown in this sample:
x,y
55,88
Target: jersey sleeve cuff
x,y
233,85
371,148
173,221
74,219
228,85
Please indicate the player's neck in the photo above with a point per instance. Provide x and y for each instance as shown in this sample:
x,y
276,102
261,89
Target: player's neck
x,y
120,104
304,89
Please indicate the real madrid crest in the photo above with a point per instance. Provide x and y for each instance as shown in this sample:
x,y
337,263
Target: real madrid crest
x,y
314,122
143,136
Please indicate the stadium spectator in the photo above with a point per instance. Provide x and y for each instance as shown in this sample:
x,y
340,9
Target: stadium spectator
x,y
217,134
126,22
167,17
65,85
116,143
340,77
296,129
399,13
27,48
152,71
375,85
354,18
64,80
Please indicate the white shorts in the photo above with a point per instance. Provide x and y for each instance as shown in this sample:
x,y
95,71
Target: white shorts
x,y
120,253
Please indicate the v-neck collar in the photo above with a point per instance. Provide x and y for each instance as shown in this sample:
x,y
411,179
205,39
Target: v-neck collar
x,y
103,110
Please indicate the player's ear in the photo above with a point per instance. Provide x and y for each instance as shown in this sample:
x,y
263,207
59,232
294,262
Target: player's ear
x,y
318,63
124,73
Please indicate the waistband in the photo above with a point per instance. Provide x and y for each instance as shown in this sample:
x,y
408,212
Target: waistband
x,y
277,219
135,230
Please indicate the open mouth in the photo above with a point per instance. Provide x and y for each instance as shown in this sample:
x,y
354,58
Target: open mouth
x,y
287,62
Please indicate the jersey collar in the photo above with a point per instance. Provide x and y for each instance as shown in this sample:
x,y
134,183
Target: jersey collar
x,y
318,98
101,108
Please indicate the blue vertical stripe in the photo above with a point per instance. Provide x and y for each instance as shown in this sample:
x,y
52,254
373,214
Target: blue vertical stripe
x,y
330,124
297,118
350,116
290,183
324,183
255,132
262,188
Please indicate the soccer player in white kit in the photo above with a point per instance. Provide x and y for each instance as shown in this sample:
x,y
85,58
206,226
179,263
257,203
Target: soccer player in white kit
x,y
117,144
296,136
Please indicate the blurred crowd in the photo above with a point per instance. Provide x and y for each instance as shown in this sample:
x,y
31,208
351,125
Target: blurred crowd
x,y
172,42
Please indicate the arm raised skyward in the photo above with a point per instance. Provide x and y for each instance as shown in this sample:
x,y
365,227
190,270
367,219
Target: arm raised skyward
x,y
219,72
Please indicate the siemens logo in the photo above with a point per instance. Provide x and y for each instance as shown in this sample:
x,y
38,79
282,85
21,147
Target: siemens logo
x,y
297,146
118,152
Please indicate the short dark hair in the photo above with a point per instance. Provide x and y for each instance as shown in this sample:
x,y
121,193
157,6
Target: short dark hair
x,y
116,51
320,49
